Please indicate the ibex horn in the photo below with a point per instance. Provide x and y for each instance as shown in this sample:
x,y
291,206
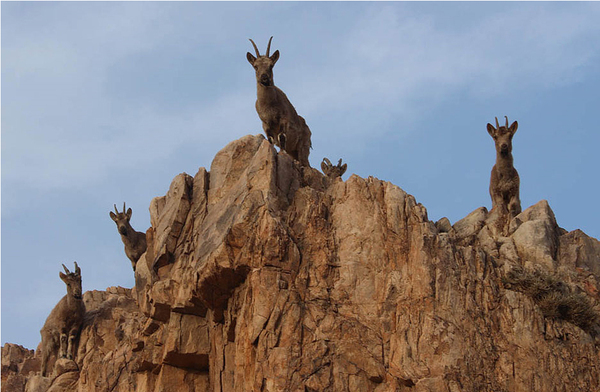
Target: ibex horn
x,y
506,121
497,125
66,269
117,211
255,48
269,46
123,207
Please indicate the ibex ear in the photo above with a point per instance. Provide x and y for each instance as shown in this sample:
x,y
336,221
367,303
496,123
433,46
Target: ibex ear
x,y
63,277
274,57
112,216
513,128
129,212
491,130
251,59
344,167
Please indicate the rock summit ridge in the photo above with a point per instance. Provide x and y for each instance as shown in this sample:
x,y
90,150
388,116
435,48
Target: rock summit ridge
x,y
262,275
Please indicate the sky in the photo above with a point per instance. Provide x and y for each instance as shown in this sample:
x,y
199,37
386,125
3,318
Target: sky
x,y
106,102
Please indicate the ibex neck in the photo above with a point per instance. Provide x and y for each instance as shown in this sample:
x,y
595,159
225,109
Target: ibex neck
x,y
504,160
72,301
265,91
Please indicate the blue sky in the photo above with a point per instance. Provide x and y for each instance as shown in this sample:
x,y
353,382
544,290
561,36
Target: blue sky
x,y
105,102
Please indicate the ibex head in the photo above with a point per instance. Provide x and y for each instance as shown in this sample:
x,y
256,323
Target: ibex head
x,y
502,136
263,64
72,280
333,171
122,219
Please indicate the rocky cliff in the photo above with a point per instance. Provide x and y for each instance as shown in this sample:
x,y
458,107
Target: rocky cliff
x,y
264,276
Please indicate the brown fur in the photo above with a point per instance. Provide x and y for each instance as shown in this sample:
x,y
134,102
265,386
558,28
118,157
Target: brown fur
x,y
282,125
333,171
504,180
134,241
64,322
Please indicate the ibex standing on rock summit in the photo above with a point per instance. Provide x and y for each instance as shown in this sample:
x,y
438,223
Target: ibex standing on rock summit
x,y
64,322
283,126
135,242
504,181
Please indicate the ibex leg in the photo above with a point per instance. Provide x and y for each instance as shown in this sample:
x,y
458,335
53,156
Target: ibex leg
x,y
514,206
71,347
64,342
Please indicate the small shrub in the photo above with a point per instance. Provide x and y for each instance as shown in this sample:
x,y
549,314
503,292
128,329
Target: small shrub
x,y
555,298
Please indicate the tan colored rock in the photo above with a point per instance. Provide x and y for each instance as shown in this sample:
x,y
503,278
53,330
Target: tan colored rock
x,y
537,236
260,275
17,364
468,227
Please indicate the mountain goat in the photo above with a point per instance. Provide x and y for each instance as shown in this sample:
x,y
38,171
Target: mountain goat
x,y
332,171
134,241
64,322
282,125
504,180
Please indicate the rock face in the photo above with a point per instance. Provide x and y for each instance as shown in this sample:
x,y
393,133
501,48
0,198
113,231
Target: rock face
x,y
261,275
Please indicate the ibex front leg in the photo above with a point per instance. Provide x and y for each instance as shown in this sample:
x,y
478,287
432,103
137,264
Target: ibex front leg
x,y
64,343
71,344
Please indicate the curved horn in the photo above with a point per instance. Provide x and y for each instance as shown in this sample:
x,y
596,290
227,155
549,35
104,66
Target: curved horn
x,y
506,121
497,125
66,269
117,211
269,46
255,48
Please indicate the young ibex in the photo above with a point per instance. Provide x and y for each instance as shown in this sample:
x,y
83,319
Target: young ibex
x,y
64,322
135,242
282,125
504,181
333,171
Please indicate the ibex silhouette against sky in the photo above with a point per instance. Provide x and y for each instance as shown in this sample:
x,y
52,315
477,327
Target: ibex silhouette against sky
x,y
134,241
332,171
64,322
282,125
504,180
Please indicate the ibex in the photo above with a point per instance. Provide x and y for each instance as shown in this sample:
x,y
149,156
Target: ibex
x,y
134,241
64,322
333,171
504,180
282,125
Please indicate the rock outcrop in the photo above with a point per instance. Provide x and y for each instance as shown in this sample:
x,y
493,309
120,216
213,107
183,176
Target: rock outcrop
x,y
261,275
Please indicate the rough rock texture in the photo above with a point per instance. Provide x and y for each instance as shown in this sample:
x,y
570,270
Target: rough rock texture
x,y
261,275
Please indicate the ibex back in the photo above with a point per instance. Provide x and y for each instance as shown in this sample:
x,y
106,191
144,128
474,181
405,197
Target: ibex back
x,y
282,125
64,322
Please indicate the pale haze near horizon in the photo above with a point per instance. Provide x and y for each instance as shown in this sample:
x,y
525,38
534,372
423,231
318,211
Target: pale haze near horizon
x,y
106,102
